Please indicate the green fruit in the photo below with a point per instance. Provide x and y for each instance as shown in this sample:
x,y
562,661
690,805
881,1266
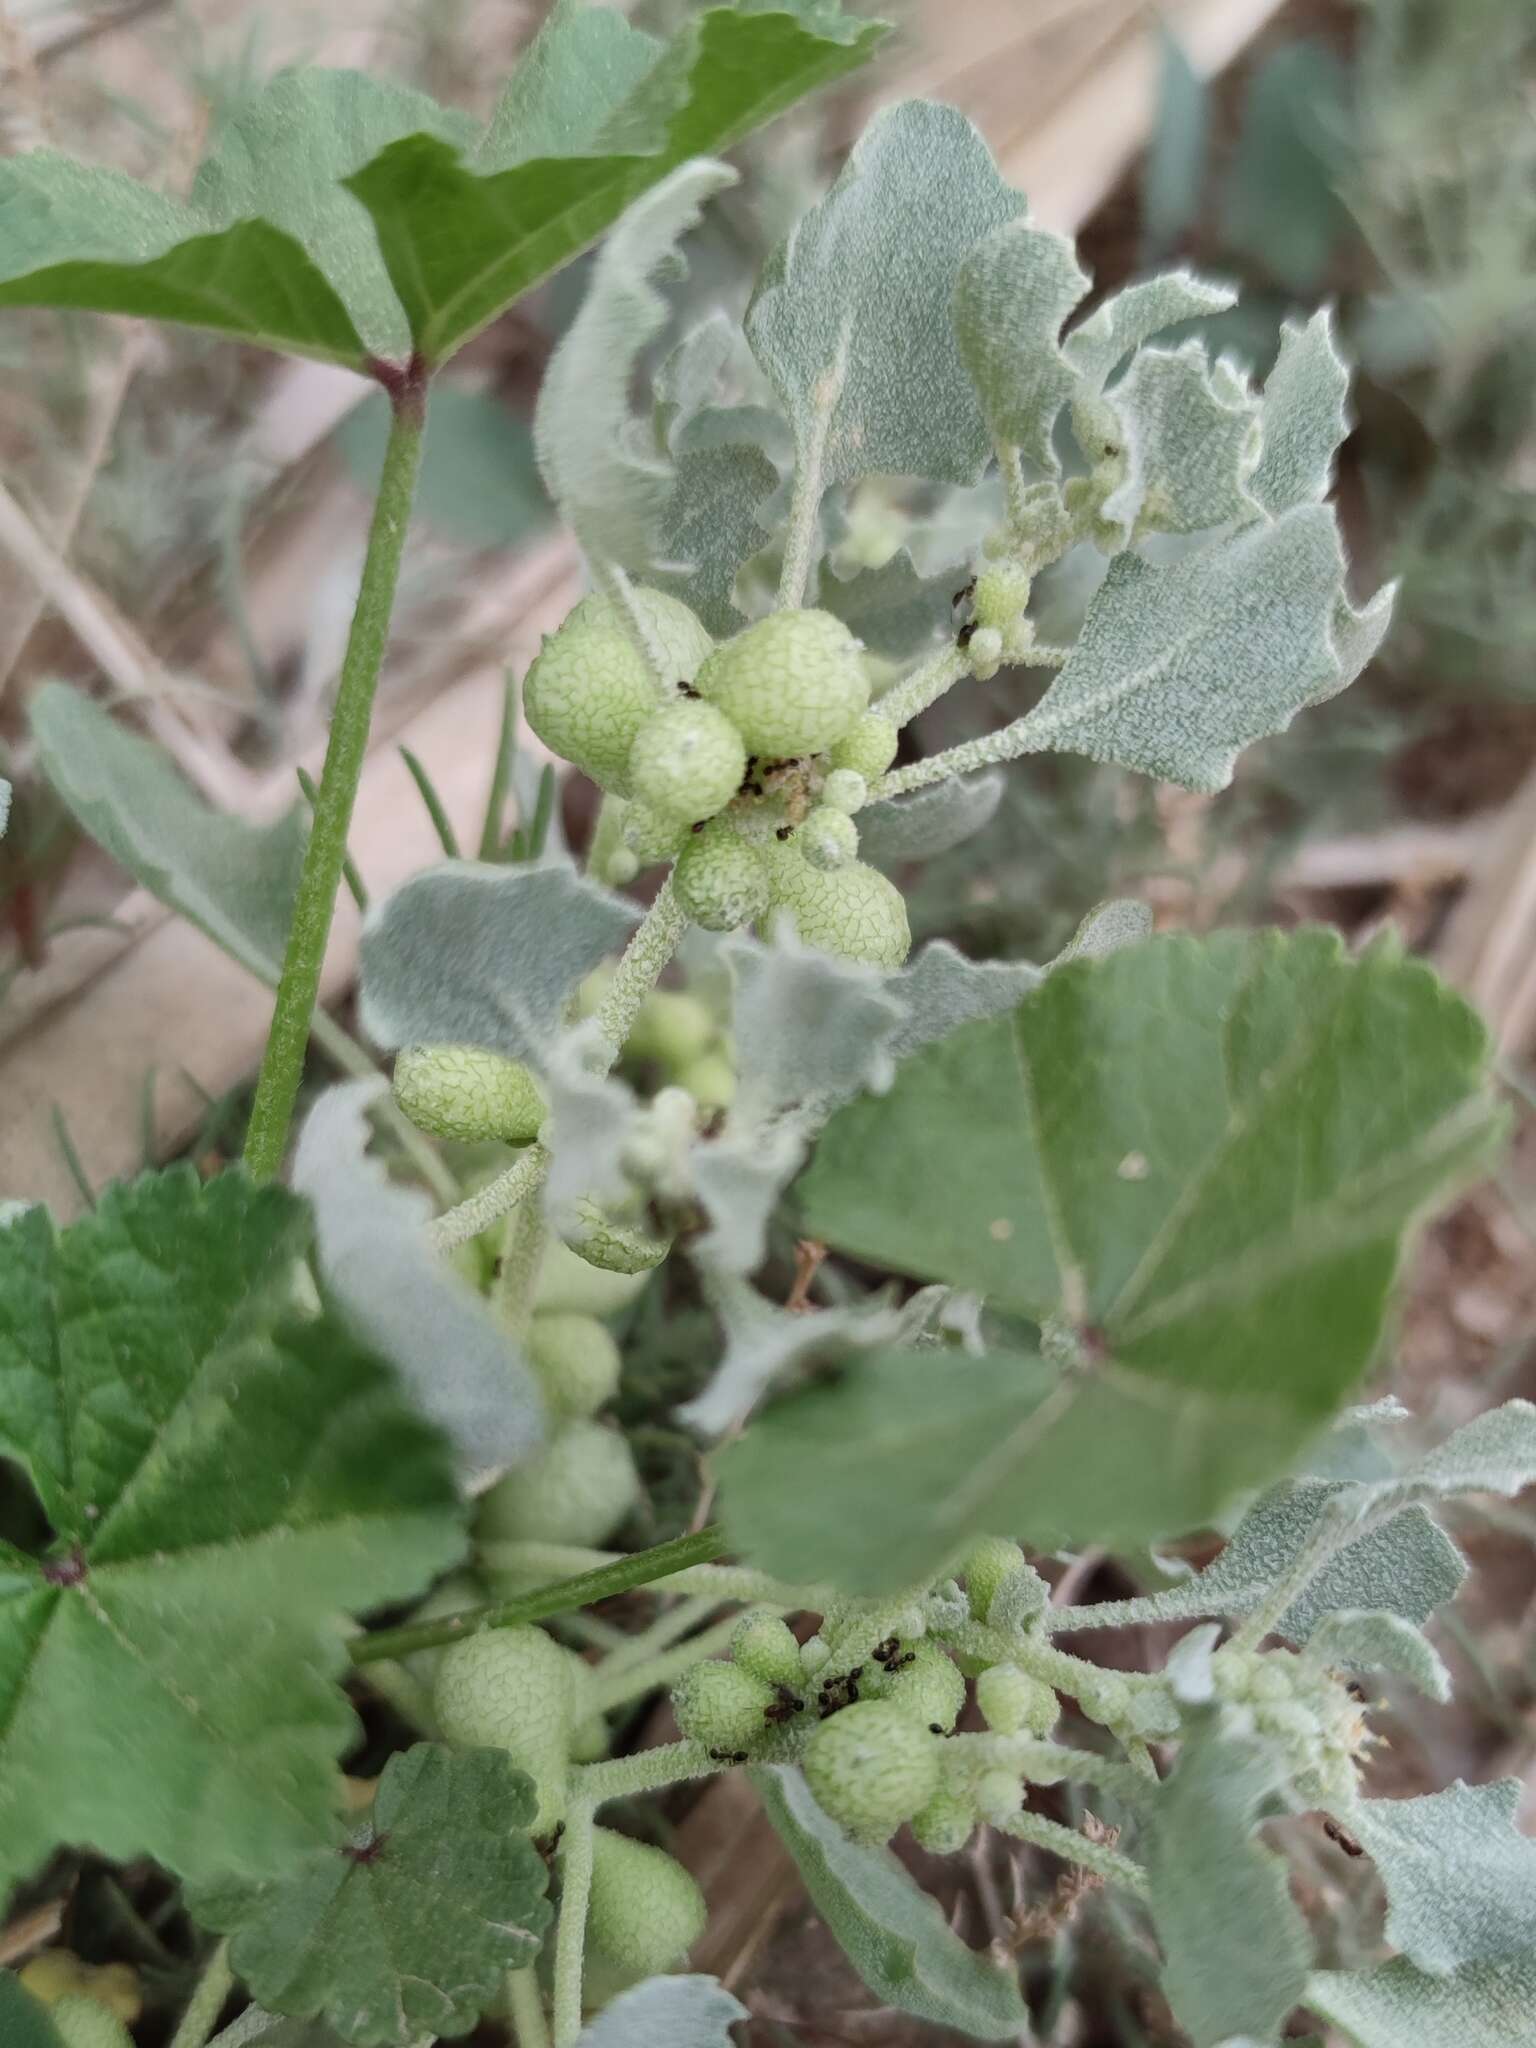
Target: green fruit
x,y
711,1081
868,748
681,637
616,1247
512,1689
828,839
721,880
576,1360
931,1687
945,1823
567,1285
578,1490
457,1594
724,1707
586,695
791,684
1014,1703
81,2022
652,836
687,762
991,1561
1002,595
766,1646
872,1766
845,790
671,1029
469,1093
646,1911
854,911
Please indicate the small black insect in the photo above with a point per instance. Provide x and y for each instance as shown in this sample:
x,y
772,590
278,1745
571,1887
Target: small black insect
x,y
786,1705
966,634
728,1756
785,832
700,825
965,591
687,690
887,1652
1342,1836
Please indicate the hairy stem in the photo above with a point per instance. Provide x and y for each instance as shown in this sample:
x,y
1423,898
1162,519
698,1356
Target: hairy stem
x,y
525,2009
1073,1847
647,1770
571,1936
652,944
1053,1763
924,686
620,1575
207,2001
282,1063
1011,463
634,1680
522,1251
620,592
521,1180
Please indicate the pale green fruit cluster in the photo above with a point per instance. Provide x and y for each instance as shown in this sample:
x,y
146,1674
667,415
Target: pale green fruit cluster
x,y
1014,1703
672,627
721,880
1002,596
868,747
1311,1715
792,684
725,1707
926,1682
687,763
645,1910
579,1489
517,1690
468,1093
576,1361
766,1647
679,1035
853,911
871,1767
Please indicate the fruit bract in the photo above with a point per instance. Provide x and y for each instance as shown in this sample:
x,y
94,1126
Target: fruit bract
x,y
791,684
586,695
687,762
853,911
721,880
469,1093
577,1490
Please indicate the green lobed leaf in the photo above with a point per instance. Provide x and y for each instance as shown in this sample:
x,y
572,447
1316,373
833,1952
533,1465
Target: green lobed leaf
x,y
459,1365
1304,417
1235,1949
667,2012
461,243
581,66
408,1931
1484,2005
1179,667
1459,1875
1012,296
1200,1155
893,1934
610,488
471,953
850,319
236,882
228,1478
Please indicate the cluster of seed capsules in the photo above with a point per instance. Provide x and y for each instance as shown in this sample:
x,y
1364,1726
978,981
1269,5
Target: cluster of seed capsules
x,y
745,769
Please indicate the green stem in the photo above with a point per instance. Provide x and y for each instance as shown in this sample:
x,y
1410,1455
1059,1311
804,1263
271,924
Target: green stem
x,y
501,775
206,2002
669,1627
720,1581
525,2009
652,944
647,1770
522,1180
612,1689
924,686
1075,1848
571,1939
622,1575
522,1252
282,1065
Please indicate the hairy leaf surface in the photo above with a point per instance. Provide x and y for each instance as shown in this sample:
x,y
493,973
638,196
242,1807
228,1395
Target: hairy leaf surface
x,y
1459,1875
667,2012
1484,2005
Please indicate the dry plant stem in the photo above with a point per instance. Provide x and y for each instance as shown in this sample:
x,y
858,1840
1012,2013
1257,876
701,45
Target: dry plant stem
x,y
207,2001
525,2009
1076,1848
283,1064
571,1939
519,1183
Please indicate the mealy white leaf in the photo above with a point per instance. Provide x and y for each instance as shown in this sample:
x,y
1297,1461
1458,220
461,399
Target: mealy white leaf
x,y
666,2012
375,1258
739,1177
809,1028
1459,1875
593,455
850,320
1134,315
1371,1639
940,990
929,821
1494,1453
718,512
475,954
893,610
768,1346
1357,634
1304,417
1012,296
591,1118
1484,2005
1107,927
1191,441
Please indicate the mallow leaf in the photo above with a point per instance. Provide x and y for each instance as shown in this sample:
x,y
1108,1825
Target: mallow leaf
x,y
1459,1875
850,319
1180,666
893,1934
1012,294
610,487
929,821
409,1929
579,68
717,514
1482,2005
235,881
1304,417
455,1360
476,953
1374,1639
1235,1948
1191,441
227,1478
895,610
1199,1155
667,2012
1135,315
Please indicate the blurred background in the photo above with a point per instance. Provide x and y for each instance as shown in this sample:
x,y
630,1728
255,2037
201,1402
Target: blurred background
x,y
181,525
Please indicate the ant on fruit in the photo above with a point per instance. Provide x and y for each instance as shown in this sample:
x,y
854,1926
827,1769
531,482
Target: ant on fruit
x,y
728,1756
889,1654
785,1706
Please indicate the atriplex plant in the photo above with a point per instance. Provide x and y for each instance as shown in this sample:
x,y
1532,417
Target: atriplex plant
x,y
1157,1191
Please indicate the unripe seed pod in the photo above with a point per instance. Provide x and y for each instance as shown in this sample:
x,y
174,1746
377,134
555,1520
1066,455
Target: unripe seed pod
x,y
845,790
576,1360
679,635
586,696
998,1796
945,1823
868,748
814,1652
721,880
652,836
577,1490
469,1093
992,1560
687,762
791,683
616,1247
828,839
646,1911
854,911
711,1081
1014,1703
568,1285
766,1646
872,1766
623,866
1002,594
671,1029
512,1689
986,653
81,2022
932,1687
456,1594
723,1706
